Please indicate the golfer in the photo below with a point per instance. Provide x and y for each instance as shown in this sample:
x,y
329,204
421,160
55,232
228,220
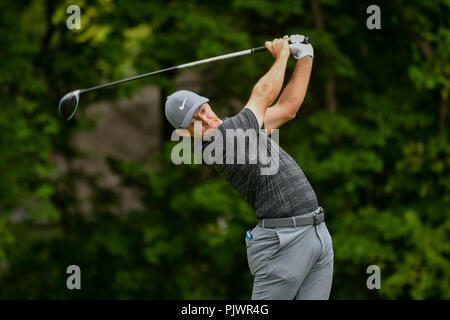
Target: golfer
x,y
289,251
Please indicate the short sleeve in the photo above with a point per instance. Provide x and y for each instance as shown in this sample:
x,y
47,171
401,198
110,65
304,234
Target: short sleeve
x,y
245,119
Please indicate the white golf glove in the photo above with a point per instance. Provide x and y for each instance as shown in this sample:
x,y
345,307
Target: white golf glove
x,y
298,49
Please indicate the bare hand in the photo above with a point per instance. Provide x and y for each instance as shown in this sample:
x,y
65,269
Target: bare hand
x,y
279,48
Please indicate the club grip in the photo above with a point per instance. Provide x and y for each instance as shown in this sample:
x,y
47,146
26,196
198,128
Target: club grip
x,y
259,49
263,48
305,41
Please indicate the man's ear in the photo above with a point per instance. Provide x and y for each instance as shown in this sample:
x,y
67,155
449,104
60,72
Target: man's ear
x,y
182,132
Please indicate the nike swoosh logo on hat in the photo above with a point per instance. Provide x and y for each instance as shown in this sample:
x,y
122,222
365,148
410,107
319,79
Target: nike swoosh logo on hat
x,y
182,106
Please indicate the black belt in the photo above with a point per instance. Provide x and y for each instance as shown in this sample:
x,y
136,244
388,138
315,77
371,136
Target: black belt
x,y
316,218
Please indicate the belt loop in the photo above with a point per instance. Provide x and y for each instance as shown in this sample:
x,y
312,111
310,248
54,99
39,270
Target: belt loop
x,y
294,222
263,222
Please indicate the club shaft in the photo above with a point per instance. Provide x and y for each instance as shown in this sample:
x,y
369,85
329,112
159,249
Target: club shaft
x,y
222,57
127,79
181,66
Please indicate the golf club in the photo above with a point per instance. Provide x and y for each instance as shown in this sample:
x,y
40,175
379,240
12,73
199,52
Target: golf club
x,y
69,103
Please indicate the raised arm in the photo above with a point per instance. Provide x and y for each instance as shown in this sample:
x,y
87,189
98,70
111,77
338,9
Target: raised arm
x,y
268,87
293,94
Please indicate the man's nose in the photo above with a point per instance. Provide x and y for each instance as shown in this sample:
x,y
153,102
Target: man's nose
x,y
204,117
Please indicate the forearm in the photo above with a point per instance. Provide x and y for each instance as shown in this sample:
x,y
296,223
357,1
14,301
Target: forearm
x,y
269,85
294,93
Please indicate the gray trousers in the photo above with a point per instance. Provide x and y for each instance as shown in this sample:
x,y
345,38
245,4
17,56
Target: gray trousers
x,y
291,263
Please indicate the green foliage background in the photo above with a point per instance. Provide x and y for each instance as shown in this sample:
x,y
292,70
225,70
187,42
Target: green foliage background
x,y
375,147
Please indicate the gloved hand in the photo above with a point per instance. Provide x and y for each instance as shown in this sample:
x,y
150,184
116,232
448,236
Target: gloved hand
x,y
298,49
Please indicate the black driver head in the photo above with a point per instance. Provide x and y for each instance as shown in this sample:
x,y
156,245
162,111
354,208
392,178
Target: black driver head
x,y
69,104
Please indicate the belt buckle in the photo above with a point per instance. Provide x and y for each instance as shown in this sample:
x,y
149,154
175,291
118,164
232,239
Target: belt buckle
x,y
316,219
316,214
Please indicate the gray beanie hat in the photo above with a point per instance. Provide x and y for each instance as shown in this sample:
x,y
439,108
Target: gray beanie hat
x,y
181,106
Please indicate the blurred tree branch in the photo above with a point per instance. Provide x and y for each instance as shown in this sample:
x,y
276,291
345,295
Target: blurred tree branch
x,y
330,85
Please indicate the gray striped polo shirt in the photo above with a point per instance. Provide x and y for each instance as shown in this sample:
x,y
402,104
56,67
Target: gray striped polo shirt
x,y
283,194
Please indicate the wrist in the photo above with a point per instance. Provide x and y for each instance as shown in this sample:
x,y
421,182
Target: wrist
x,y
306,58
283,56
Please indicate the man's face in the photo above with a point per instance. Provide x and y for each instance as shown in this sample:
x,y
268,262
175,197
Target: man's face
x,y
208,120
